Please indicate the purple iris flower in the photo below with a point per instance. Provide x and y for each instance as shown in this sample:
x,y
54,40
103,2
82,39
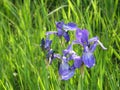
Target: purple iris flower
x,y
65,70
46,44
62,30
89,46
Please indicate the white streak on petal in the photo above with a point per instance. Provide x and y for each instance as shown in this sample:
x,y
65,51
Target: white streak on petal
x,y
101,45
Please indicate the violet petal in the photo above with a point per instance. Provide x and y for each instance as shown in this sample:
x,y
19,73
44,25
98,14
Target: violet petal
x,y
66,36
77,62
65,72
59,24
60,32
93,47
70,27
69,50
48,44
88,59
82,36
42,44
95,39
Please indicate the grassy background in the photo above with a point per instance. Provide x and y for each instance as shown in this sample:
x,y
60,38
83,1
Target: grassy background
x,y
24,22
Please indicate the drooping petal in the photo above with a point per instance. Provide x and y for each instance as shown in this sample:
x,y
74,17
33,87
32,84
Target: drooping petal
x,y
59,26
77,62
65,72
63,67
69,26
88,59
60,32
67,75
82,36
66,36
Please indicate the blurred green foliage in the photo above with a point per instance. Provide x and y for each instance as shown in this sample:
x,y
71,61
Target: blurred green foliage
x,y
24,22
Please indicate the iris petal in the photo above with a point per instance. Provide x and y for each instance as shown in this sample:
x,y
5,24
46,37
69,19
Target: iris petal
x,y
42,43
66,36
68,75
73,25
95,39
70,26
82,36
69,50
65,72
93,47
59,24
60,32
77,62
88,59
57,56
48,44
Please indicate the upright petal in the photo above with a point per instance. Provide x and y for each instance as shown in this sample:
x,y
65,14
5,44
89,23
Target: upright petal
x,y
66,36
69,50
93,46
59,24
82,36
88,59
65,72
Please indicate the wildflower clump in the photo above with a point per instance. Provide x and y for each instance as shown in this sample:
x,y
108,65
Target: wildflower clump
x,y
66,71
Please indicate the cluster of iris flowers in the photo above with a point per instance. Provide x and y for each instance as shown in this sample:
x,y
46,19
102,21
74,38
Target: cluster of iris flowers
x,y
66,71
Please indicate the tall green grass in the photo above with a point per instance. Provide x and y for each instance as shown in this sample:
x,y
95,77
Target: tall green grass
x,y
23,24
